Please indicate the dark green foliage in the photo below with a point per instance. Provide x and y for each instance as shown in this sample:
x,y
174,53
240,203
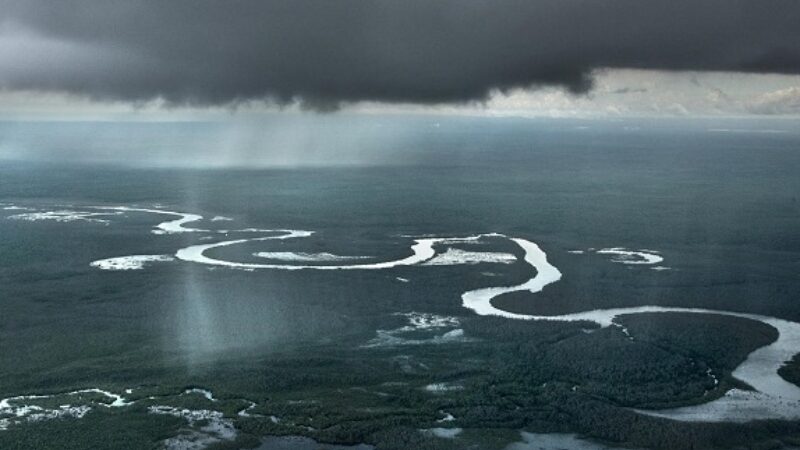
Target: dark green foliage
x,y
133,428
723,342
791,371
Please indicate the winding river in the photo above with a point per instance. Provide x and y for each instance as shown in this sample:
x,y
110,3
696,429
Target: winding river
x,y
772,397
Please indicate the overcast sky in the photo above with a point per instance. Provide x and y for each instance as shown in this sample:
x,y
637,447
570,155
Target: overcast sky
x,y
79,58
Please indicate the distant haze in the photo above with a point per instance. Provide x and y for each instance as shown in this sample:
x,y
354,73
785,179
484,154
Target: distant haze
x,y
344,139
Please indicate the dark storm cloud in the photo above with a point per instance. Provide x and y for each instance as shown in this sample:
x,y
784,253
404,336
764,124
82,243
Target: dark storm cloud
x,y
325,52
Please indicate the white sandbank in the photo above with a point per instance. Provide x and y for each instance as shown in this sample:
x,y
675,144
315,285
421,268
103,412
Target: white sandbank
x,y
437,388
456,256
625,256
132,262
63,215
305,257
447,418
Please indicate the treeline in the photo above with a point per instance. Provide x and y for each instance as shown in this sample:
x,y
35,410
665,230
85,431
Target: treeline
x,y
791,370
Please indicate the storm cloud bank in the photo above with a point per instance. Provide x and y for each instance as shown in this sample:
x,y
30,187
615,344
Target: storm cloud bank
x,y
324,53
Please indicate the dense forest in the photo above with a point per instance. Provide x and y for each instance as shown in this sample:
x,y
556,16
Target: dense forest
x,y
508,376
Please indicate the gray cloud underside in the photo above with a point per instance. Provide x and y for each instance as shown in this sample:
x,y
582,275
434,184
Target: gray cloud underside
x,y
423,51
